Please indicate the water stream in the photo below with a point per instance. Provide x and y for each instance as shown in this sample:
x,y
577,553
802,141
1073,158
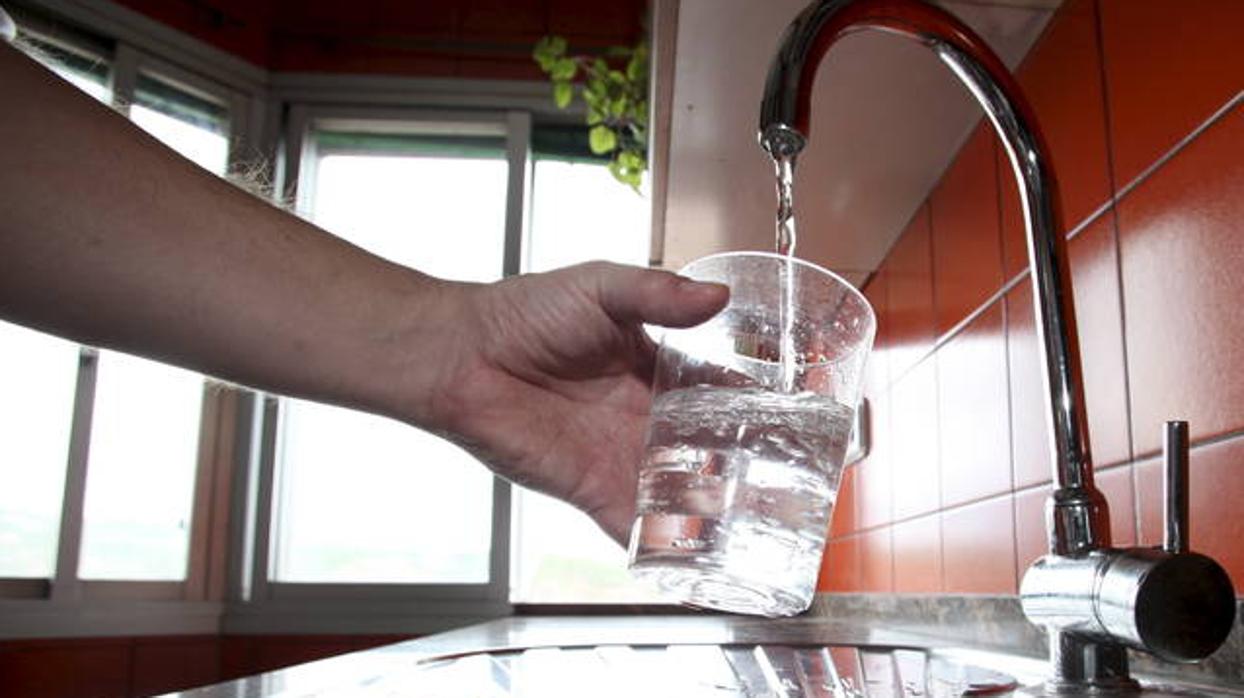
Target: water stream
x,y
786,241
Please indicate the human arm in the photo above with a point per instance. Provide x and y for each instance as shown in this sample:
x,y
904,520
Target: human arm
x,y
109,238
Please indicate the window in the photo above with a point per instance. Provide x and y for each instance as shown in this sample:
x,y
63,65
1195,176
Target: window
x,y
87,72
334,504
38,377
145,427
362,499
119,434
579,213
37,381
197,128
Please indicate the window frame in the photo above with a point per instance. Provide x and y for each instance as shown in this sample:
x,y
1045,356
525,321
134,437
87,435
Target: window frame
x,y
128,64
228,588
214,458
254,582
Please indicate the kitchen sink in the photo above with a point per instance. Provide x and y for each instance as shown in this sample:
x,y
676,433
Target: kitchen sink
x,y
685,656
710,670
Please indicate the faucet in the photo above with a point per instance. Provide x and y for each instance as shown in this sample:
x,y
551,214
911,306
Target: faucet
x,y
1094,601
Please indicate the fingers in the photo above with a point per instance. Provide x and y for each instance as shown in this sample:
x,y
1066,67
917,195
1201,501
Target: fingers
x,y
634,294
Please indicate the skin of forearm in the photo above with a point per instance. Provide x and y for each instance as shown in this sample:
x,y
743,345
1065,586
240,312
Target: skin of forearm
x,y
111,239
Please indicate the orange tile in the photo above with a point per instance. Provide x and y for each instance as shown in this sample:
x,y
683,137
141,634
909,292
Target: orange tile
x,y
1061,76
967,253
877,370
1031,538
909,302
1167,70
973,421
978,544
1030,440
1096,293
918,555
872,484
876,561
1095,281
1182,287
874,479
1116,486
1215,490
874,492
171,664
913,422
501,18
75,668
613,20
840,566
843,520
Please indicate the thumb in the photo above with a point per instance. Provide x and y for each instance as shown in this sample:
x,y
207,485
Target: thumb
x,y
634,294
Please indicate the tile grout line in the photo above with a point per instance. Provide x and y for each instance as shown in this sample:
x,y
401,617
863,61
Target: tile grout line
x,y
1118,263
1012,493
1080,227
1183,143
958,328
1108,207
1215,440
1006,362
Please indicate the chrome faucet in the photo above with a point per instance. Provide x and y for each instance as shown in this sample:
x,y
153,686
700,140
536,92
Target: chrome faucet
x,y
1093,600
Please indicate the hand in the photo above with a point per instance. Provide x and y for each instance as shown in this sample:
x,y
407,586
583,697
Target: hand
x,y
551,386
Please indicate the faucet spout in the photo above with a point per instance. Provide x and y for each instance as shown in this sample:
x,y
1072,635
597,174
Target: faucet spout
x,y
1077,518
1093,600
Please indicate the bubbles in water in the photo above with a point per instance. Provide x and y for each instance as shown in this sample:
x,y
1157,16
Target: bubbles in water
x,y
737,487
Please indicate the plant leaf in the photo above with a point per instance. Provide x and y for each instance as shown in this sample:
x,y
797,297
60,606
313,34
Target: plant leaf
x,y
540,52
637,67
599,89
602,139
547,50
563,92
564,69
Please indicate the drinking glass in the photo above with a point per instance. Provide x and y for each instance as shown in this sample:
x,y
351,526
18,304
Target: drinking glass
x,y
751,417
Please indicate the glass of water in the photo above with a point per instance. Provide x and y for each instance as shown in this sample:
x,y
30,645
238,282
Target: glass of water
x,y
751,417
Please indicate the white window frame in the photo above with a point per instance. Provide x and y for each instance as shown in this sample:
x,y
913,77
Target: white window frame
x,y
229,588
254,586
64,604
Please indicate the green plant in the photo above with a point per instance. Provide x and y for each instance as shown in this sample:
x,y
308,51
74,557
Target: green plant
x,y
614,87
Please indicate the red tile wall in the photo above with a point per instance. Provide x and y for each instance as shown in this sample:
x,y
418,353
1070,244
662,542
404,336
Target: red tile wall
x,y
118,667
1142,104
487,39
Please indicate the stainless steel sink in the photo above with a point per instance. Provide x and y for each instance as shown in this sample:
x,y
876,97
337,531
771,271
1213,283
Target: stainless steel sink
x,y
709,670
684,656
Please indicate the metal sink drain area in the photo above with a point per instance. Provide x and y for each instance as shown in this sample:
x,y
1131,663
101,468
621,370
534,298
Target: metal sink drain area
x,y
708,670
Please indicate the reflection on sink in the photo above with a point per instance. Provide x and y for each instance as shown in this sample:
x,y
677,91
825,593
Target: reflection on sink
x,y
708,670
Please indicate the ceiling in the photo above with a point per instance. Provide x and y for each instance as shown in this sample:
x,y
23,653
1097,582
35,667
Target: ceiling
x,y
488,39
887,118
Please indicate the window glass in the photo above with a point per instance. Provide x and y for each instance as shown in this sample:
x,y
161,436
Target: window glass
x,y
87,73
145,425
37,379
141,468
364,499
38,374
194,127
579,213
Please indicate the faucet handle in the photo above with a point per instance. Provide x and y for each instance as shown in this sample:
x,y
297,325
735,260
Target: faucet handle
x,y
1175,499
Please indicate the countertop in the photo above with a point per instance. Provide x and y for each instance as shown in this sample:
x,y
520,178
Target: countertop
x,y
436,665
